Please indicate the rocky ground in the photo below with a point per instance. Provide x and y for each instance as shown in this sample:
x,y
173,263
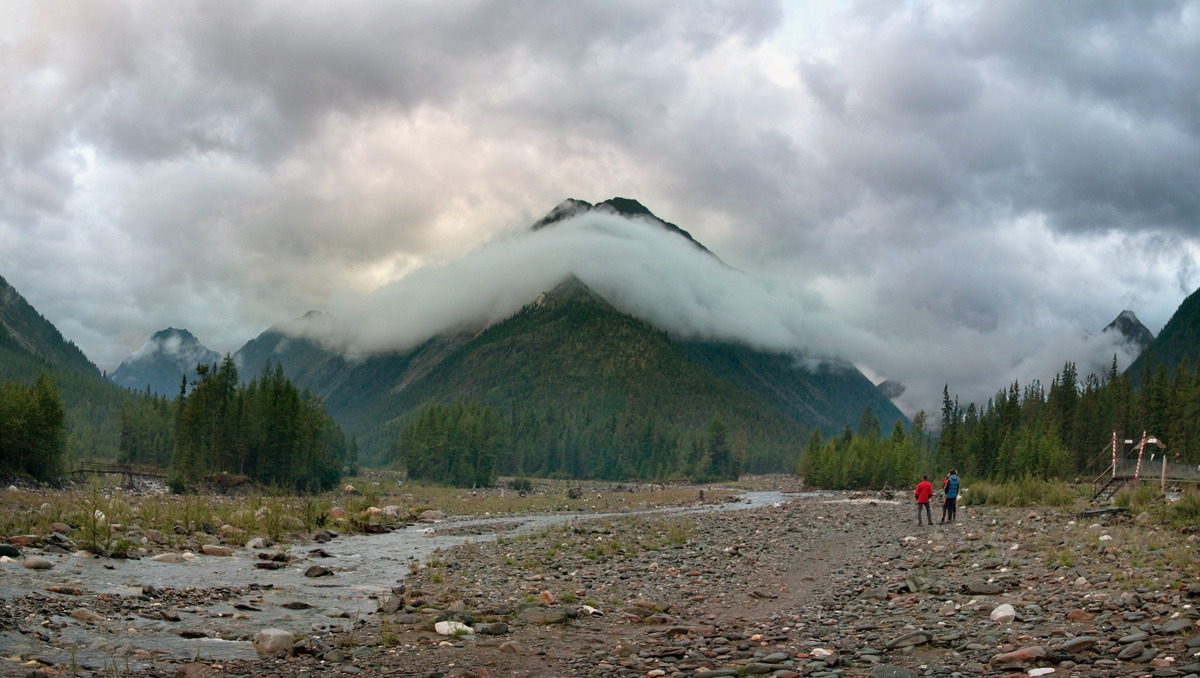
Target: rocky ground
x,y
835,585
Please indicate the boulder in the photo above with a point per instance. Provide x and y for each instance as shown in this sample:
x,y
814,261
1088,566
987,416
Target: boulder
x,y
919,579
318,571
273,643
1004,614
36,563
452,628
216,550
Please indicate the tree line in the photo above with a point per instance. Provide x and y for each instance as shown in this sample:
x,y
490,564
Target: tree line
x,y
1061,431
468,444
1065,430
266,430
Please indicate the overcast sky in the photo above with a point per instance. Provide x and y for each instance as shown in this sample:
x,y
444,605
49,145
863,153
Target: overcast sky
x,y
938,192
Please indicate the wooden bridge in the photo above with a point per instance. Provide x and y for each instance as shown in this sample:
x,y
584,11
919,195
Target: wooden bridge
x,y
1124,471
128,472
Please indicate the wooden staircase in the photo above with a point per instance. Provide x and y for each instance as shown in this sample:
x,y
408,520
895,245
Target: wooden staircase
x,y
1106,492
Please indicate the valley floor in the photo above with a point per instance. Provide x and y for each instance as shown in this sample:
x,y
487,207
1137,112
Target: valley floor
x,y
818,585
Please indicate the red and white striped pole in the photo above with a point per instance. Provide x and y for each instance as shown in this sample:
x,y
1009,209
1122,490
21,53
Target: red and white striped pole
x,y
1141,450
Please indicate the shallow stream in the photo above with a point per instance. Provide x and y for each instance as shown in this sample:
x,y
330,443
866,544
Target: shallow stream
x,y
365,567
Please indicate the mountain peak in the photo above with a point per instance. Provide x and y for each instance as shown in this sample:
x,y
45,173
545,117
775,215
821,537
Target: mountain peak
x,y
162,361
1131,329
171,333
569,289
625,207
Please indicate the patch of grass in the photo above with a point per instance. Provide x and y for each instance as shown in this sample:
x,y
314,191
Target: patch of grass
x,y
1185,511
1137,499
388,636
1027,491
679,531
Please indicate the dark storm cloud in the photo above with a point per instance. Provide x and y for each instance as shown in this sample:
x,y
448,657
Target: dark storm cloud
x,y
970,186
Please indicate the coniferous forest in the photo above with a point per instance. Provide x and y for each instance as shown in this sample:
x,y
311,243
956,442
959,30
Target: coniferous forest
x,y
32,429
1062,431
266,430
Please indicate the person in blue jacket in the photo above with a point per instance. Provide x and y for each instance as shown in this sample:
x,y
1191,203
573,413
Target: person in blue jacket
x,y
950,505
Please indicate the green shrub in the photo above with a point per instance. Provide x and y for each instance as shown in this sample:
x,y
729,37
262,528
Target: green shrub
x,y
1186,511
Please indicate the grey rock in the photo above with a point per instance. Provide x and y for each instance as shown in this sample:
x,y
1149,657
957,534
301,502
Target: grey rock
x,y
1132,650
910,639
1133,637
318,571
1177,626
36,563
543,615
452,615
1078,644
919,579
273,643
391,605
980,587
492,629
775,658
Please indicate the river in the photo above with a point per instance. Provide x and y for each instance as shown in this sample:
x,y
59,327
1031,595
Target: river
x,y
365,568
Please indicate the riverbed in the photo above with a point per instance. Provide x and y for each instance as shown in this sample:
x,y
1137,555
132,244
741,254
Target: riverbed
x,y
209,607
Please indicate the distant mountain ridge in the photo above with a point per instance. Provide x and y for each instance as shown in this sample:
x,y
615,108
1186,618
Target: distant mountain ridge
x,y
162,362
31,345
23,331
1179,339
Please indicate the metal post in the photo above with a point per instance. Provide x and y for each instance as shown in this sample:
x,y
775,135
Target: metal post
x,y
1114,448
1141,450
1164,475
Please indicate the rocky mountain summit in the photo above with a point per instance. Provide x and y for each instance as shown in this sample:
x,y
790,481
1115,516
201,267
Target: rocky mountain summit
x,y
161,363
1127,325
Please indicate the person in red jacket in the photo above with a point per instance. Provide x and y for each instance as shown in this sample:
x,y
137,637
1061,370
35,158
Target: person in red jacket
x,y
924,492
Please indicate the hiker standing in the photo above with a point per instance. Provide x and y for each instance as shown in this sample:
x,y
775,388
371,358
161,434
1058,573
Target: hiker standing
x,y
923,492
950,508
